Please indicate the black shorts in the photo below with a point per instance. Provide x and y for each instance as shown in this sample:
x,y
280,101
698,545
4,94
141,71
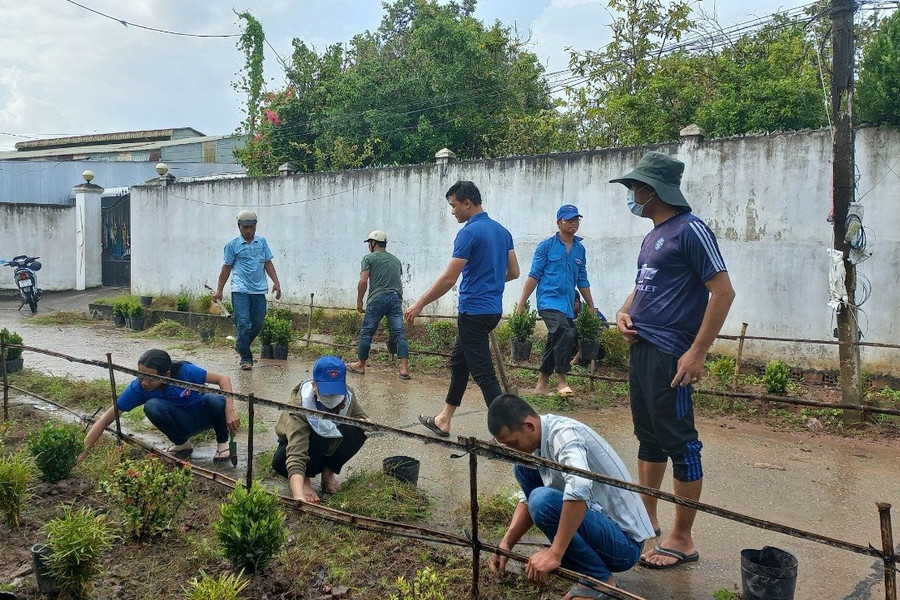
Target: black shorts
x,y
663,416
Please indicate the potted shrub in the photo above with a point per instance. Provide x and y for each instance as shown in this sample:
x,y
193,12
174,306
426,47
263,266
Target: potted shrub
x,y
76,542
391,341
120,311
14,360
146,301
136,314
588,325
55,449
521,326
251,528
281,333
266,337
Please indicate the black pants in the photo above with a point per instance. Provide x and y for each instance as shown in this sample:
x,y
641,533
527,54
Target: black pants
x,y
353,439
560,338
471,354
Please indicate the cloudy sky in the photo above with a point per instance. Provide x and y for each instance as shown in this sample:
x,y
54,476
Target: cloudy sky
x,y
67,71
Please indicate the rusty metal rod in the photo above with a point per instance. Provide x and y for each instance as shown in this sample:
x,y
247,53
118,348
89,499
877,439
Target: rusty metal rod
x,y
887,546
251,411
115,395
309,322
473,506
766,338
737,360
5,380
498,358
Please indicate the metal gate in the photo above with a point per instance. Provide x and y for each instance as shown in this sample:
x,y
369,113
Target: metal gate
x,y
116,232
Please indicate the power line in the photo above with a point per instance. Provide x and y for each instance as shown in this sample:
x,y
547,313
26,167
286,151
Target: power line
x,y
166,31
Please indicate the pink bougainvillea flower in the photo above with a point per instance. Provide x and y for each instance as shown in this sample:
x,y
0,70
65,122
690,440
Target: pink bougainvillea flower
x,y
272,117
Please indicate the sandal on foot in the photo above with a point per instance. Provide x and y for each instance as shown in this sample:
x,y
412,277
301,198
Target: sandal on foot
x,y
222,456
566,392
183,454
680,558
430,424
580,590
352,370
245,366
404,376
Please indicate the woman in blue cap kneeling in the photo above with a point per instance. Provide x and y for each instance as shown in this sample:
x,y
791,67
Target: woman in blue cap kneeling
x,y
309,445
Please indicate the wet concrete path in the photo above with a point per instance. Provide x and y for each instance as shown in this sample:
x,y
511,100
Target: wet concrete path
x,y
828,485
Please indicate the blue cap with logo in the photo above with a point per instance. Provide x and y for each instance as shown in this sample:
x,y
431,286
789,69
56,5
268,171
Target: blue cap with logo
x,y
566,212
330,375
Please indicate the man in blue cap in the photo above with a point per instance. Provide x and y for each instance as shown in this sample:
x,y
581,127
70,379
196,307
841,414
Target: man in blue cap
x,y
310,445
681,297
559,267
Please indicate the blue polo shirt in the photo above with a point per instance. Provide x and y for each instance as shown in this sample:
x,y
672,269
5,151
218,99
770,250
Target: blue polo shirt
x,y
485,245
558,272
247,261
677,258
134,395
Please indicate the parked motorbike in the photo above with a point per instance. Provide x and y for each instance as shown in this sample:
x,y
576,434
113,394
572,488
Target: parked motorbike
x,y
24,274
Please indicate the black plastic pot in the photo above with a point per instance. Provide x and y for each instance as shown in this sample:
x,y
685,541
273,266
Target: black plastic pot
x,y
146,301
265,351
45,582
14,365
136,324
392,346
520,350
404,468
279,351
8,596
590,350
768,574
206,334
119,320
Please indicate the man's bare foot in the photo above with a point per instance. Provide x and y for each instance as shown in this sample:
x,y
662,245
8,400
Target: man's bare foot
x,y
357,367
330,484
309,494
541,390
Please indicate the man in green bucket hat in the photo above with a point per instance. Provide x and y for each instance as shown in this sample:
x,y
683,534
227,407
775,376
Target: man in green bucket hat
x,y
681,297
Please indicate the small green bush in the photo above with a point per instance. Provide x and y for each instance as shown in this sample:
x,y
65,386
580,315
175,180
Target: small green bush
x,y
11,337
318,317
267,333
251,530
136,311
183,302
588,325
282,332
227,586
55,449
429,585
228,306
722,369
204,302
618,353
283,314
149,494
17,475
776,377
504,334
76,540
441,333
121,305
521,325
347,322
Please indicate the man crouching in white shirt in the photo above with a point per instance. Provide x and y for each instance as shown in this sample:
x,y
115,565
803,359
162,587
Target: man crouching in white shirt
x,y
594,528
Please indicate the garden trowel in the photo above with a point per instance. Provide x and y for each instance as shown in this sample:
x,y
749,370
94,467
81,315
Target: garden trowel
x,y
232,450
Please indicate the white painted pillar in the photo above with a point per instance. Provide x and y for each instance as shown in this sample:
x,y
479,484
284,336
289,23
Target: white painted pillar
x,y
88,247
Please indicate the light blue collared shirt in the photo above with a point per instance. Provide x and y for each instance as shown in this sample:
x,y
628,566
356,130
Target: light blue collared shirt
x,y
558,273
248,264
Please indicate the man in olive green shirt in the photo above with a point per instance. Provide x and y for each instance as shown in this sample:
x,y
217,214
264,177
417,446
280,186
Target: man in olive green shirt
x,y
380,273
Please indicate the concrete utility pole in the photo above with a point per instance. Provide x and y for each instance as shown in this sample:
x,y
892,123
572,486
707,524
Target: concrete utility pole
x,y
843,177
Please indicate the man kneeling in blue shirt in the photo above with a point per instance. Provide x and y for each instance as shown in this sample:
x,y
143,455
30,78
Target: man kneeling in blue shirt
x,y
594,528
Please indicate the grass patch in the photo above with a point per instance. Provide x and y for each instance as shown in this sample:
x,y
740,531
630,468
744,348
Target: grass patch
x,y
722,405
136,419
543,402
73,393
169,329
67,317
376,494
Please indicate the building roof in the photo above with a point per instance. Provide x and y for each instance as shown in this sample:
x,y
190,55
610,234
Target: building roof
x,y
147,135
107,148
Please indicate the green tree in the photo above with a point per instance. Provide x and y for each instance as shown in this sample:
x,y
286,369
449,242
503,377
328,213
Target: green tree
x,y
430,76
879,79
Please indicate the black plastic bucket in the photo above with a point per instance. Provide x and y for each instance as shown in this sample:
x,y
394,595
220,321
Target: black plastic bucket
x,y
768,574
45,582
8,596
404,468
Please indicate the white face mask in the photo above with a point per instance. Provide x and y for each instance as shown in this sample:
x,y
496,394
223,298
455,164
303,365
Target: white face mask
x,y
332,400
635,208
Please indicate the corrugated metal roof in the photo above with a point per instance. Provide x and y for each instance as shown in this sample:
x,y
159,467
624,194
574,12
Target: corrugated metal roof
x,y
146,135
80,151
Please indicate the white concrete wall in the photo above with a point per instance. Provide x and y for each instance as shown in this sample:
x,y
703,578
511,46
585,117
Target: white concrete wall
x,y
765,197
47,231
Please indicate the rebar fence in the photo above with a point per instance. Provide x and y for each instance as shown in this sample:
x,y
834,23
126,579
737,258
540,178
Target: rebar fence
x,y
470,446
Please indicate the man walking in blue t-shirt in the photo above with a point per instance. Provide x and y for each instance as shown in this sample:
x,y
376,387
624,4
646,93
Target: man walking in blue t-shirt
x,y
558,267
483,253
681,297
248,260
